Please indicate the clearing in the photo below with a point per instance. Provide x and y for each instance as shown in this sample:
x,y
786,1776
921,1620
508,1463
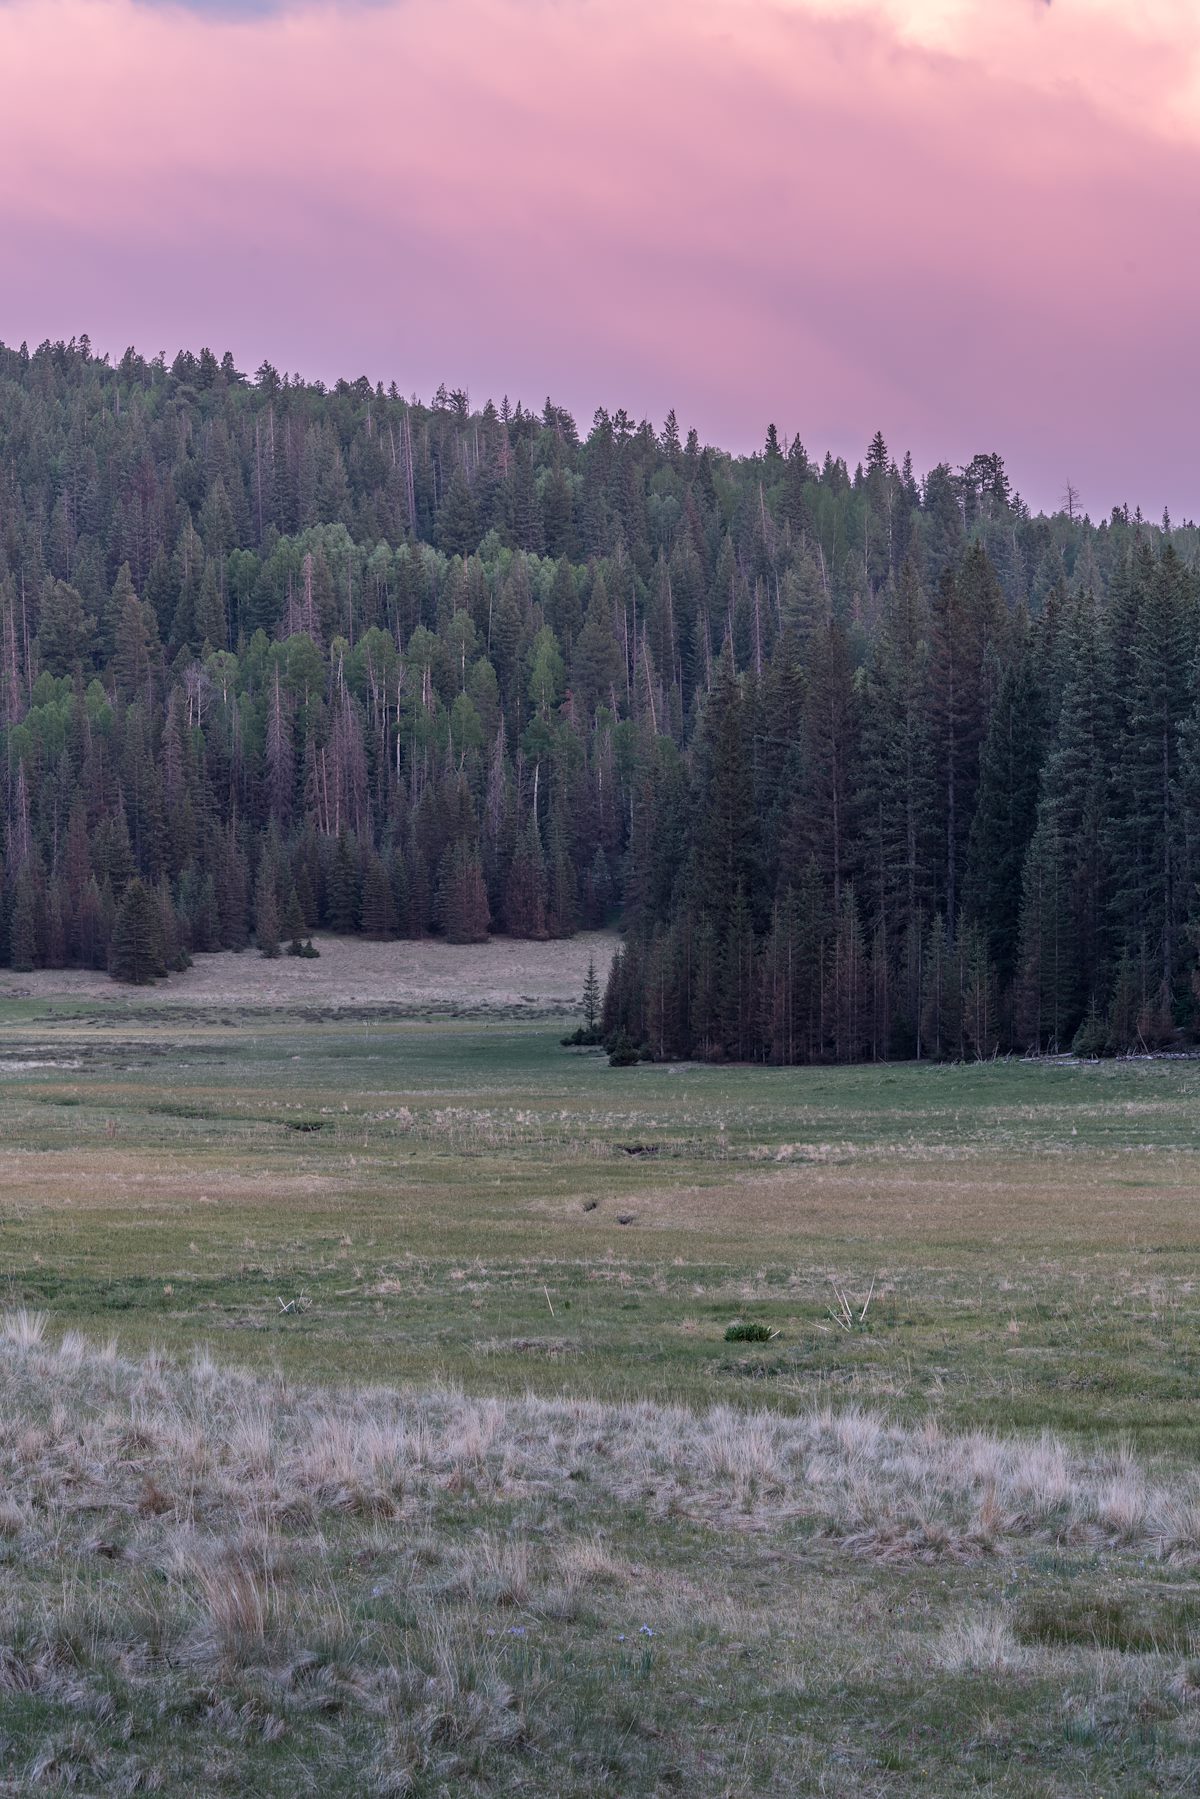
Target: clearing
x,y
497,1504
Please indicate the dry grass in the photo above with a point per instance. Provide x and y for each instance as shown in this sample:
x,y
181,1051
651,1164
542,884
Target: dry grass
x,y
212,1448
504,976
359,1571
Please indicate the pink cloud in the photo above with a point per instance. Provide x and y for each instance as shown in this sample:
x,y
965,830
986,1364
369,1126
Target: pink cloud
x,y
747,210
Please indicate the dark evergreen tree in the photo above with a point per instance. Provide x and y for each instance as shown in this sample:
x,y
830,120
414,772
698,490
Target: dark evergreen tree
x,y
1006,812
266,912
590,1005
137,954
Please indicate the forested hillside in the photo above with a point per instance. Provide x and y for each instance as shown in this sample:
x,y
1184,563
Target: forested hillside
x,y
869,765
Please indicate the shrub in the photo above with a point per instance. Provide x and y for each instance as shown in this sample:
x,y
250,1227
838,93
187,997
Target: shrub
x,y
1091,1039
738,1332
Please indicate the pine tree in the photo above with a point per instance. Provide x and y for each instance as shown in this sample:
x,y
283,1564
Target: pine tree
x,y
343,904
558,514
525,888
1047,1012
280,760
847,1008
977,984
462,903
1147,828
561,883
941,1000
24,947
458,521
597,664
725,827
737,982
137,652
66,633
966,623
378,915
563,609
266,911
1006,813
293,927
137,943
823,818
591,998
1075,804
899,798
527,529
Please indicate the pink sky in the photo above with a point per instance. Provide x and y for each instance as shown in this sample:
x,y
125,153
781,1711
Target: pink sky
x,y
971,223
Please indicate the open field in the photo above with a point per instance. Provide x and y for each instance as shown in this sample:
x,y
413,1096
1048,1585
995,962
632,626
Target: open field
x,y
492,1425
500,978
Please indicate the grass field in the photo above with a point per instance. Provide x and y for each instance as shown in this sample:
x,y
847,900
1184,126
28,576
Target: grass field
x,y
736,1430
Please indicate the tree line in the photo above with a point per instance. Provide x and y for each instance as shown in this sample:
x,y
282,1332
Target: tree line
x,y
868,765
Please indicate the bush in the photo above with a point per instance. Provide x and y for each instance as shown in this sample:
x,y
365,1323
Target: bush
x,y
739,1332
622,1053
1091,1039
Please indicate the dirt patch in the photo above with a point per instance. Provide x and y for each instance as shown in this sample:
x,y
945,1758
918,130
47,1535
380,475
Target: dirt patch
x,y
502,977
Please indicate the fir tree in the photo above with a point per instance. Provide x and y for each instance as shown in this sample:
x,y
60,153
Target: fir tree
x,y
137,942
462,904
1005,815
266,912
24,948
293,926
378,913
591,1002
343,907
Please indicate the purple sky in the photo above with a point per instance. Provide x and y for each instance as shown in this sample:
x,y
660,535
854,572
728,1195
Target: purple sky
x,y
970,223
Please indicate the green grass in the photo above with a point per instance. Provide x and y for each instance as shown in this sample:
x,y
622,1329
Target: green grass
x,y
450,1200
469,1207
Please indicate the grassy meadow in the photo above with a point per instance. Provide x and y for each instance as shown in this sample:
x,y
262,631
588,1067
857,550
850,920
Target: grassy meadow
x,y
484,1420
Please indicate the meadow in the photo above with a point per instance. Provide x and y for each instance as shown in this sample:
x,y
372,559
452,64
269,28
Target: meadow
x,y
394,1401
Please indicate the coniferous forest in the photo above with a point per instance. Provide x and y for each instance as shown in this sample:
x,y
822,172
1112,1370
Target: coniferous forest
x,y
868,764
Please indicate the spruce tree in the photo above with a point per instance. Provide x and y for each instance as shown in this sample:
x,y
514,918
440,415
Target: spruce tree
x,y
966,620
343,904
899,788
137,954
1075,803
266,912
1147,831
462,904
1010,764
823,823
66,632
24,950
724,823
527,528
591,998
525,887
293,927
1046,1003
378,913
458,521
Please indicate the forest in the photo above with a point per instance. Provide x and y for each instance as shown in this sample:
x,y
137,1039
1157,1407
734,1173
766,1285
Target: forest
x,y
865,764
